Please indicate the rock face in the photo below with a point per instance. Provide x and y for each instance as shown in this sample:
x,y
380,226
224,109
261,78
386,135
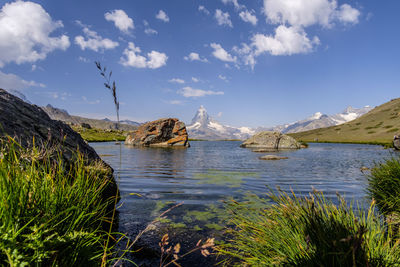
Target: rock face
x,y
160,133
271,140
396,142
28,122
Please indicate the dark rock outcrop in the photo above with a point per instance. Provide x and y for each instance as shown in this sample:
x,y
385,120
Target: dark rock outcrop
x,y
271,140
396,142
160,133
30,125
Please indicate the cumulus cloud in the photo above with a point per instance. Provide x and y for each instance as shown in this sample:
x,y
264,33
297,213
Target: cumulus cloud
x,y
121,20
204,10
221,53
191,92
196,80
223,18
93,41
222,77
13,82
234,2
306,13
161,15
25,29
195,57
132,58
176,80
248,16
347,14
286,41
147,29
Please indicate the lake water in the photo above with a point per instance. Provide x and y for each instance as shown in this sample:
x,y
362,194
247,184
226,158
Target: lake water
x,y
153,179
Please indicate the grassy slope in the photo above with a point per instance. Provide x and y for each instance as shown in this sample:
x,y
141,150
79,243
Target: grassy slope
x,y
377,126
100,135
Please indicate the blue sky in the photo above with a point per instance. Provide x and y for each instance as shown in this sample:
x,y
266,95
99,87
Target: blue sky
x,y
250,63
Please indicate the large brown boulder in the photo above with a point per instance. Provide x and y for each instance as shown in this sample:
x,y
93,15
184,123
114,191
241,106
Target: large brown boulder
x,y
160,133
271,140
30,125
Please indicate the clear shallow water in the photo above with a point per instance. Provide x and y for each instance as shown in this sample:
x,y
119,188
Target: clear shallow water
x,y
208,172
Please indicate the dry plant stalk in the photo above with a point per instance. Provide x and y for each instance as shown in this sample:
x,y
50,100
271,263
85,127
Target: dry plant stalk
x,y
109,86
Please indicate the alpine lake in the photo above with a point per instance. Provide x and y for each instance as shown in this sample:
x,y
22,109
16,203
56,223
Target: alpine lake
x,y
210,173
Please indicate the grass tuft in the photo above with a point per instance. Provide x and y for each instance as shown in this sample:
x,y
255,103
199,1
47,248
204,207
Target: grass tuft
x,y
308,231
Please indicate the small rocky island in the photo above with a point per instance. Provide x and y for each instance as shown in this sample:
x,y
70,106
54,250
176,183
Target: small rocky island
x,y
271,140
169,132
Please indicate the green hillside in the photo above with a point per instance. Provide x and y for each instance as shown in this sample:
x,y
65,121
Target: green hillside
x,y
377,126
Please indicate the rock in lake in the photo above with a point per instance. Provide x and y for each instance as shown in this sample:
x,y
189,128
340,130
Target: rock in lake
x,y
396,142
160,133
272,157
271,140
29,123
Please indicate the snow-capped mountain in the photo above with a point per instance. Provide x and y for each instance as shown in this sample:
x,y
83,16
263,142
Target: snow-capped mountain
x,y
319,120
205,127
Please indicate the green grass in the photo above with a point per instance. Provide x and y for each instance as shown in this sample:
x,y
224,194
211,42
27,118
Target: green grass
x,y
100,135
51,213
311,231
369,128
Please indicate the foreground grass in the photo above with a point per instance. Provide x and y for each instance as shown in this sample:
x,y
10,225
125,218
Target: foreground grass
x,y
100,135
308,231
50,213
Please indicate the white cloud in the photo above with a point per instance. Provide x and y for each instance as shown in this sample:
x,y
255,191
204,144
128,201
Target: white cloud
x,y
347,14
176,80
121,20
248,16
175,102
148,30
195,57
222,77
286,41
94,41
161,15
132,58
234,2
204,10
223,18
196,80
13,82
306,13
190,92
83,59
221,53
219,114
25,29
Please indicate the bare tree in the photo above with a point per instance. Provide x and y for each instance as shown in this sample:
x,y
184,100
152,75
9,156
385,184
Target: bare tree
x,y
109,86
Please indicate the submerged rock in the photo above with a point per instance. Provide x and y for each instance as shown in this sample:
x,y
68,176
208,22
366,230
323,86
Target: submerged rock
x,y
160,133
272,157
271,140
31,126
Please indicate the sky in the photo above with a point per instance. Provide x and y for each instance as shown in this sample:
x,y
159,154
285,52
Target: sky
x,y
249,63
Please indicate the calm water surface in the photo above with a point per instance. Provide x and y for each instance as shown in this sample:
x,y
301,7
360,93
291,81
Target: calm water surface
x,y
209,172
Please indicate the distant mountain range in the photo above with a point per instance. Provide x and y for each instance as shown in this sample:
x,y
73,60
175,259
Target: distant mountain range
x,y
205,127
63,115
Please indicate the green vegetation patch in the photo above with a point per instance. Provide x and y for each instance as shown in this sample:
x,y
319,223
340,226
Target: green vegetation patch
x,y
100,135
52,213
229,178
307,232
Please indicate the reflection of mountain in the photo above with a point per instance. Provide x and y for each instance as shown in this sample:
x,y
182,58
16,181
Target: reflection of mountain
x,y
205,127
319,120
63,115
